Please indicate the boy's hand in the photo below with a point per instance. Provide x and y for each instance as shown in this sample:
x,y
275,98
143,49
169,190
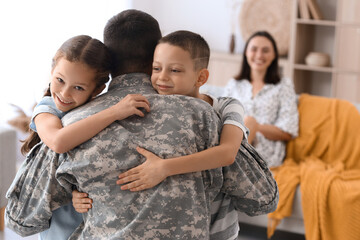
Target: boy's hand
x,y
144,176
130,105
81,202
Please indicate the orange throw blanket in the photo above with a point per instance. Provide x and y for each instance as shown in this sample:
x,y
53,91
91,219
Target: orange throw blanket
x,y
325,161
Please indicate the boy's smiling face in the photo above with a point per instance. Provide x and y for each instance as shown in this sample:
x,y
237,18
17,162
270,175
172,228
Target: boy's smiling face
x,y
174,71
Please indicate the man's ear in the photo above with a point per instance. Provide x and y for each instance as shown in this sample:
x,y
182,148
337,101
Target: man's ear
x,y
202,77
98,90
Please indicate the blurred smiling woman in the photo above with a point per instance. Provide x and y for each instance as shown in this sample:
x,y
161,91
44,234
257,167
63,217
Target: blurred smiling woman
x,y
269,101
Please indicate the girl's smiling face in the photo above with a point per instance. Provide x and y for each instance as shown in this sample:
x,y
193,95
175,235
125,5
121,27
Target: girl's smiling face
x,y
72,84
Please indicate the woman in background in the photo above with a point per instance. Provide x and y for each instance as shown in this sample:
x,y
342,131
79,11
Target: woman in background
x,y
269,101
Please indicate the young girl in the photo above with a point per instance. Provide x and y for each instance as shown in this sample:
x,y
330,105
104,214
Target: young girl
x,y
80,69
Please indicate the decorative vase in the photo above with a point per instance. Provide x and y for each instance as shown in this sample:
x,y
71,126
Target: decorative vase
x,y
317,59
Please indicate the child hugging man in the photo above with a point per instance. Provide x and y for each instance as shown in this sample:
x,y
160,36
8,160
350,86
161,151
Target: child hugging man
x,y
180,67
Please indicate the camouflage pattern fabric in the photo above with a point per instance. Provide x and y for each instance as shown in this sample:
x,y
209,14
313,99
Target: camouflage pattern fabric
x,y
249,183
176,208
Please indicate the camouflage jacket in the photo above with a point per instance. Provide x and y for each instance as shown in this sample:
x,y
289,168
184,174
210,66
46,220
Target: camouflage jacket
x,y
176,208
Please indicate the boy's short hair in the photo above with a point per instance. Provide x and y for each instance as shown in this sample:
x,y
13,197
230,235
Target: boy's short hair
x,y
193,43
131,36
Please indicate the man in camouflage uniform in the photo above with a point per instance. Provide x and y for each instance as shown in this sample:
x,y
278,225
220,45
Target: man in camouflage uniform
x,y
179,207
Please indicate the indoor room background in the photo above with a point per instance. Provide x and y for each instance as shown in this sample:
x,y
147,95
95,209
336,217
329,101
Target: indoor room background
x,y
32,31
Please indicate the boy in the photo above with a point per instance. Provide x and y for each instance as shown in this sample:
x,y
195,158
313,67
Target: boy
x,y
180,67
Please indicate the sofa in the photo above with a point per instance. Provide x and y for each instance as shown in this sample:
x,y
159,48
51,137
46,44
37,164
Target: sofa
x,y
293,223
8,144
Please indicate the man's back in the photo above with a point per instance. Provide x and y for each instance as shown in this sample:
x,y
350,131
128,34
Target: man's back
x,y
179,206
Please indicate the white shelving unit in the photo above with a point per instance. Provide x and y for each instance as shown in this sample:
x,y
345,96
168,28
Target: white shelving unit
x,y
338,35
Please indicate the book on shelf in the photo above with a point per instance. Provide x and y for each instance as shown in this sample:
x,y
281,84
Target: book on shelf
x,y
314,9
303,9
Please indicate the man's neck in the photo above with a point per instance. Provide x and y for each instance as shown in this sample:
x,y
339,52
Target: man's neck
x,y
206,98
132,69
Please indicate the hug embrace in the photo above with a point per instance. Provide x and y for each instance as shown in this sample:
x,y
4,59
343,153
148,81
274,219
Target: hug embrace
x,y
181,157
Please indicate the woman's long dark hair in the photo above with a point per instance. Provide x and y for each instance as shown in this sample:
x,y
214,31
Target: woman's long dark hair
x,y
83,49
272,73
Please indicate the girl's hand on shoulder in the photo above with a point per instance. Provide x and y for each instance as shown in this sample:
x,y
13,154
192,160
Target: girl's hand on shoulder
x,y
144,176
81,202
131,105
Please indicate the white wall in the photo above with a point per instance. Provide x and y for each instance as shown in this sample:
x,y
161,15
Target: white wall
x,y
210,18
32,31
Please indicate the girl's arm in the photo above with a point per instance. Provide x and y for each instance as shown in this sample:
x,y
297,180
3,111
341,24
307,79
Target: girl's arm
x,y
154,170
62,139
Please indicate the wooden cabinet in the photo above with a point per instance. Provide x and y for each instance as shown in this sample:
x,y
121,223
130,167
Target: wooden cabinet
x,y
222,67
338,35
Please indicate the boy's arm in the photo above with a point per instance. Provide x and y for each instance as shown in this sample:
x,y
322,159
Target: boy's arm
x,y
62,139
222,155
154,170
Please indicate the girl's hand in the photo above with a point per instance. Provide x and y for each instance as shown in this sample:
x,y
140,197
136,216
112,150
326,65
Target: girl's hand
x,y
130,105
81,202
144,176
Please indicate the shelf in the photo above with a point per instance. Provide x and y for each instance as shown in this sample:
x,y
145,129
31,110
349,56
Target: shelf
x,y
316,22
324,69
313,82
313,68
347,72
337,35
328,23
355,25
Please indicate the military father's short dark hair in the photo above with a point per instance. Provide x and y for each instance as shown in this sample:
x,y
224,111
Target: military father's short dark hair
x,y
131,36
